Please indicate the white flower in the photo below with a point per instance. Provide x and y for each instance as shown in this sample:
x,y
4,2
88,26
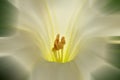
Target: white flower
x,y
42,20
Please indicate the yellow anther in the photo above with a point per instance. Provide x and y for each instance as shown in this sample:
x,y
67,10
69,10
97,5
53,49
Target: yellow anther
x,y
58,45
63,40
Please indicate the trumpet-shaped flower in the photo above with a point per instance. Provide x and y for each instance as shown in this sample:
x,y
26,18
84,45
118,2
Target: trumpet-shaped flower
x,y
56,33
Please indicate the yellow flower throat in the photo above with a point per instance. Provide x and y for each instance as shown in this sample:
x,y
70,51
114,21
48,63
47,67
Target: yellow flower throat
x,y
58,49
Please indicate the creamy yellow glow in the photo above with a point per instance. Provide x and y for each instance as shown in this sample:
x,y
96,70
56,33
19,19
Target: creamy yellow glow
x,y
44,33
58,52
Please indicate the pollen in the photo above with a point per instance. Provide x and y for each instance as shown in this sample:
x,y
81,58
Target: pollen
x,y
58,48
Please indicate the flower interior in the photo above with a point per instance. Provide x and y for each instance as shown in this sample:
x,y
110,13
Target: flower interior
x,y
44,27
58,50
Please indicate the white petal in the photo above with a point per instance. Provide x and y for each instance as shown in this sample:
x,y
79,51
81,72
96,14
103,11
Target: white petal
x,y
105,26
56,71
29,56
22,46
56,13
14,42
92,56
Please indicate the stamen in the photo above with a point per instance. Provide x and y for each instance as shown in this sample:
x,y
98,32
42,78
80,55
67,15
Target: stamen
x,y
58,48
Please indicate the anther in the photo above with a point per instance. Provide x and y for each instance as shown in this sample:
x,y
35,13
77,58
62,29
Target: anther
x,y
58,44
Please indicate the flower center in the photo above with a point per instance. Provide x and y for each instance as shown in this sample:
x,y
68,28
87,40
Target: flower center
x,y
58,49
